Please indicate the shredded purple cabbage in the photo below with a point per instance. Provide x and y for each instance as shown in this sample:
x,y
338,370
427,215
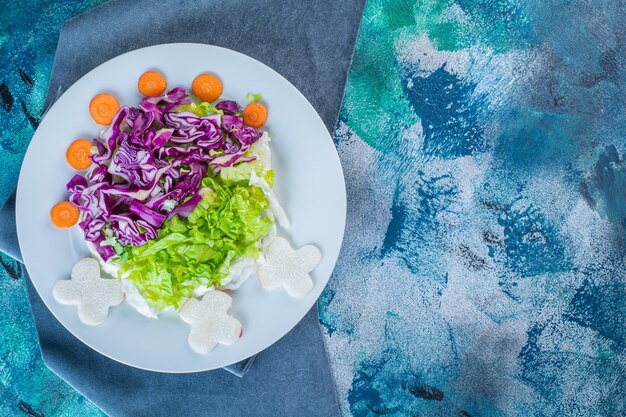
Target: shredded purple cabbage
x,y
228,107
148,167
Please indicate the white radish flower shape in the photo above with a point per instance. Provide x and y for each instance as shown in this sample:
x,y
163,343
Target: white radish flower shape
x,y
210,322
288,268
92,294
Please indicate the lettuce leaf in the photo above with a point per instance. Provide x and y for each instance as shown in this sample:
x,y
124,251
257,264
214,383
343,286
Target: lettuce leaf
x,y
225,225
200,109
261,165
254,97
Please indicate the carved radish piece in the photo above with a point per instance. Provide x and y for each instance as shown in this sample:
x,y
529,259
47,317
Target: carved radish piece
x,y
285,267
210,322
92,294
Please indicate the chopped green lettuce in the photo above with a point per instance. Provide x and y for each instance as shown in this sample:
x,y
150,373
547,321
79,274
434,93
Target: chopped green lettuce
x,y
242,172
200,109
226,225
254,97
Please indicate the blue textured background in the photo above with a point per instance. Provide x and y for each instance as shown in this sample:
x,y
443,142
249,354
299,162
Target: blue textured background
x,y
484,266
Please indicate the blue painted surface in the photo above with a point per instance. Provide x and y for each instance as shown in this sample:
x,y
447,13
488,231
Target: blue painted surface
x,y
484,267
448,108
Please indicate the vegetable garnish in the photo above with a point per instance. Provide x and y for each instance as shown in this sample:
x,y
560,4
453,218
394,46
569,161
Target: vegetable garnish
x,y
78,153
92,294
168,201
149,166
199,250
103,107
207,87
254,97
177,202
64,214
255,115
151,84
210,322
288,268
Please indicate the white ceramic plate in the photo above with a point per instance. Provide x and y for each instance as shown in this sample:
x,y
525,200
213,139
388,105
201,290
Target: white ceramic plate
x,y
309,183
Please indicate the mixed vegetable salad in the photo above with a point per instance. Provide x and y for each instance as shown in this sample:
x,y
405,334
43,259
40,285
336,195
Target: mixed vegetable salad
x,y
176,193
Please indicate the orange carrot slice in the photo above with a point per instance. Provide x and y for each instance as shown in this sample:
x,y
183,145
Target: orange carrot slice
x,y
151,84
64,214
103,107
77,154
207,87
255,115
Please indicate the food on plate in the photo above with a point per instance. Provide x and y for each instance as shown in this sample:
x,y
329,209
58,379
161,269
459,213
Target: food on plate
x,y
210,322
254,97
168,205
91,293
255,115
207,87
103,107
151,84
64,214
78,154
177,204
288,268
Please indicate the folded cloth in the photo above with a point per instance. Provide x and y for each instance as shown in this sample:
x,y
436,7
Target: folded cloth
x,y
8,233
309,43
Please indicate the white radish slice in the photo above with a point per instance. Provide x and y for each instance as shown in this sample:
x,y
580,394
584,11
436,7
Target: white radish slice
x,y
288,268
210,322
92,294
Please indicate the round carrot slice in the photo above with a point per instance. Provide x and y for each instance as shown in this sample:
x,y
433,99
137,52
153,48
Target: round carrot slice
x,y
151,84
255,115
64,214
77,154
207,87
103,107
